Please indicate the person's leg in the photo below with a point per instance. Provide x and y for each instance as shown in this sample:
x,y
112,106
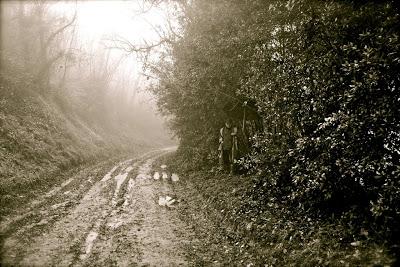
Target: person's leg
x,y
225,156
231,161
234,154
220,160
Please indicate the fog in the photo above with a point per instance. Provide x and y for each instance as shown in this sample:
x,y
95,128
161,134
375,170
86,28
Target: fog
x,y
74,53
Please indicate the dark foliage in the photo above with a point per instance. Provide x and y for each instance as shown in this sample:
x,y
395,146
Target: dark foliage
x,y
323,77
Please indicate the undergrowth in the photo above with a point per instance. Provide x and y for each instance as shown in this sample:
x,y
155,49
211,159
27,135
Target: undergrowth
x,y
242,231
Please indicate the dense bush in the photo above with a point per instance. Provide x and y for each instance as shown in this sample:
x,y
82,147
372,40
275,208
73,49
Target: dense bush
x,y
323,76
329,82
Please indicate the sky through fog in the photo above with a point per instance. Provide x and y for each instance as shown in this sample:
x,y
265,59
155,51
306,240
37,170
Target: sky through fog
x,y
100,21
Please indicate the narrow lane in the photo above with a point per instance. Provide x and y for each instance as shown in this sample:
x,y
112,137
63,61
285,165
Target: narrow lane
x,y
117,222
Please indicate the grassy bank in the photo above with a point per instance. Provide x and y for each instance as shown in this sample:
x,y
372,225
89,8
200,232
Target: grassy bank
x,y
236,231
40,142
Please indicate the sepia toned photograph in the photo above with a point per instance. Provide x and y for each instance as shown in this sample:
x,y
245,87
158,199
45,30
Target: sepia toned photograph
x,y
199,133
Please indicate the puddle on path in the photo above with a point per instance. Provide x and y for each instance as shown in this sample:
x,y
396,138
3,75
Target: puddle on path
x,y
109,174
114,225
67,182
174,177
164,175
120,178
127,196
166,201
144,170
57,189
89,244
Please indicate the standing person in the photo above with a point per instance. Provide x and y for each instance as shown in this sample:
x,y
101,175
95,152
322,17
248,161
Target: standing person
x,y
228,145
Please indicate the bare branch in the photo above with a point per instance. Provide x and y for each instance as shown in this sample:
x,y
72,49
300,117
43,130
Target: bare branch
x,y
126,45
54,34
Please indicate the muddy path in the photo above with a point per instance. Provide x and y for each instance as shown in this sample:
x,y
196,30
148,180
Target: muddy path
x,y
113,215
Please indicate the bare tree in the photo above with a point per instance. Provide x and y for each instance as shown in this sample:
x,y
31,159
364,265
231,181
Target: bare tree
x,y
47,57
149,52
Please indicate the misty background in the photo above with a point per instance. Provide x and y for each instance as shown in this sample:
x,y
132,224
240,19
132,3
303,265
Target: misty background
x,y
65,50
70,91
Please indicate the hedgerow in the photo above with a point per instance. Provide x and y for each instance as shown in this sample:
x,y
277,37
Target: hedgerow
x,y
324,80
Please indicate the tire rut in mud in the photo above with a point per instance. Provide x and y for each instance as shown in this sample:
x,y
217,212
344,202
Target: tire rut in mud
x,y
116,222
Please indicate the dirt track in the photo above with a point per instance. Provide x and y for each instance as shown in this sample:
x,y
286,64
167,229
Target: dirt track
x,y
103,219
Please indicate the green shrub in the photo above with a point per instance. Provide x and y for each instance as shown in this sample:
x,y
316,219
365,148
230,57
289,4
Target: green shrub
x,y
324,78
330,88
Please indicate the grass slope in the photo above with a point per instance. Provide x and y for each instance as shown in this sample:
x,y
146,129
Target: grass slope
x,y
39,141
